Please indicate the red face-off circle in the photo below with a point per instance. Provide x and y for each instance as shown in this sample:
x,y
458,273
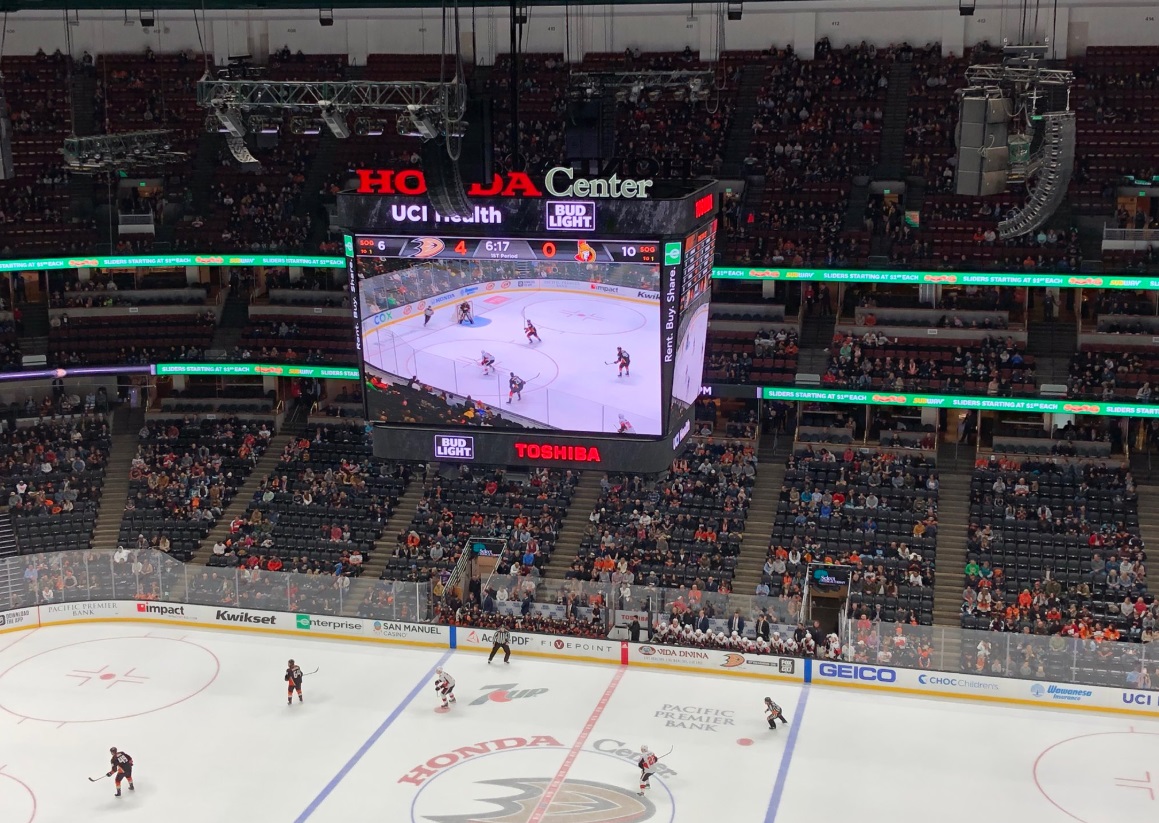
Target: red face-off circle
x,y
108,679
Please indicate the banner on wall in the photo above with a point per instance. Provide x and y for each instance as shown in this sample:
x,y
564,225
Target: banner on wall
x,y
788,668
1046,694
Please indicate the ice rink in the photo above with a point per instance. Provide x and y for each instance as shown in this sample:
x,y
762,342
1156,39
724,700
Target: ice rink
x,y
570,384
204,716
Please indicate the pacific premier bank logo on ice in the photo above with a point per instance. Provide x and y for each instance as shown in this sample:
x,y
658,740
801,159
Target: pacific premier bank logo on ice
x,y
571,215
454,447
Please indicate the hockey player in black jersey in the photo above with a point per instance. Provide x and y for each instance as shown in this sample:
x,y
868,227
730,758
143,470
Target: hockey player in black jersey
x,y
623,361
293,682
121,764
515,385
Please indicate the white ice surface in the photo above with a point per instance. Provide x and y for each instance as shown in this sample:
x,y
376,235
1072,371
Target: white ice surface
x,y
204,715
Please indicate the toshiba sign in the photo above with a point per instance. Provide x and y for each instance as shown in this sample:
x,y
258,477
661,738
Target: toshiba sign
x,y
552,452
559,182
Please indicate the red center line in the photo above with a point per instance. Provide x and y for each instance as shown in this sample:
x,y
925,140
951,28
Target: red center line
x,y
556,782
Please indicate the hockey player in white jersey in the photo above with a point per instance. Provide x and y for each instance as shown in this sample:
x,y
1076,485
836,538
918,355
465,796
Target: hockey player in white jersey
x,y
625,426
444,686
647,765
487,361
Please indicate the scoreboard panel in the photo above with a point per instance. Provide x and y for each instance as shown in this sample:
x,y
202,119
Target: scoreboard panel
x,y
509,248
533,331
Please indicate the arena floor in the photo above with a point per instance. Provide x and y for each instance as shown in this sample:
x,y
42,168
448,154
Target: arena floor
x,y
204,716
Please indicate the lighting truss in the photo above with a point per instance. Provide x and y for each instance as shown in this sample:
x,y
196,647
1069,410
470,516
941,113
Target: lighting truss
x,y
340,96
1017,75
109,152
600,81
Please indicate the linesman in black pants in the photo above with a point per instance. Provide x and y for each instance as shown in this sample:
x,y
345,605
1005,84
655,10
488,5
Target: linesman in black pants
x,y
501,640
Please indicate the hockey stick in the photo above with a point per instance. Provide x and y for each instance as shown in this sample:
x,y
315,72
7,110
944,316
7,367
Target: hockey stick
x,y
307,674
96,779
662,756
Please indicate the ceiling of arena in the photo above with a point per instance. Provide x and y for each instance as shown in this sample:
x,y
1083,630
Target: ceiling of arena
x,y
16,5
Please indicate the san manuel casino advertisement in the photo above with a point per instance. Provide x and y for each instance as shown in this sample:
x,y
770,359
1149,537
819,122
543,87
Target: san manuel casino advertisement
x,y
542,328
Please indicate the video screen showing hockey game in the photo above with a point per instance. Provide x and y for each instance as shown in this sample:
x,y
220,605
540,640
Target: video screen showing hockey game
x,y
695,292
517,333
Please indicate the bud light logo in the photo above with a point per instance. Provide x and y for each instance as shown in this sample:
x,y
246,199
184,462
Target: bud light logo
x,y
571,215
850,671
454,447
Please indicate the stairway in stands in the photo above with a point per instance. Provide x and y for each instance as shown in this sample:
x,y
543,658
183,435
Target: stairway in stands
x,y
12,586
772,454
7,538
1149,529
891,160
234,319
567,542
740,130
955,467
1052,344
375,561
816,334
209,146
115,489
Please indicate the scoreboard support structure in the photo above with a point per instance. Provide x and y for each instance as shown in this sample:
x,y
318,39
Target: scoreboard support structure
x,y
552,284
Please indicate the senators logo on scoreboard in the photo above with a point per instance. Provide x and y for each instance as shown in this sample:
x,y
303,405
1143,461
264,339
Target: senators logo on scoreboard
x,y
423,248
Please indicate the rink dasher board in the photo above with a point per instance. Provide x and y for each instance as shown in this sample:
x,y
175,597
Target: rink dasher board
x,y
885,680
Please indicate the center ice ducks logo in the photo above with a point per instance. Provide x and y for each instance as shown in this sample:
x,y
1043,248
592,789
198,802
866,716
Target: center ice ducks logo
x,y
509,780
577,801
423,248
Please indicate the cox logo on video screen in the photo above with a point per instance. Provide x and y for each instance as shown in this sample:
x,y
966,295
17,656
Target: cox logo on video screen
x,y
571,215
852,671
454,447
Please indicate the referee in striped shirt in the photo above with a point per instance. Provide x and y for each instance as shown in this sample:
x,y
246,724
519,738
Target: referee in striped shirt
x,y
501,641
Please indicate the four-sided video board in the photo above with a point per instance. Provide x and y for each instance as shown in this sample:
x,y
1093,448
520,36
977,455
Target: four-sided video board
x,y
537,330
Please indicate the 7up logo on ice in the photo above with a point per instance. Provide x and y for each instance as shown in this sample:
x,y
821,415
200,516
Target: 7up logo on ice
x,y
671,254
